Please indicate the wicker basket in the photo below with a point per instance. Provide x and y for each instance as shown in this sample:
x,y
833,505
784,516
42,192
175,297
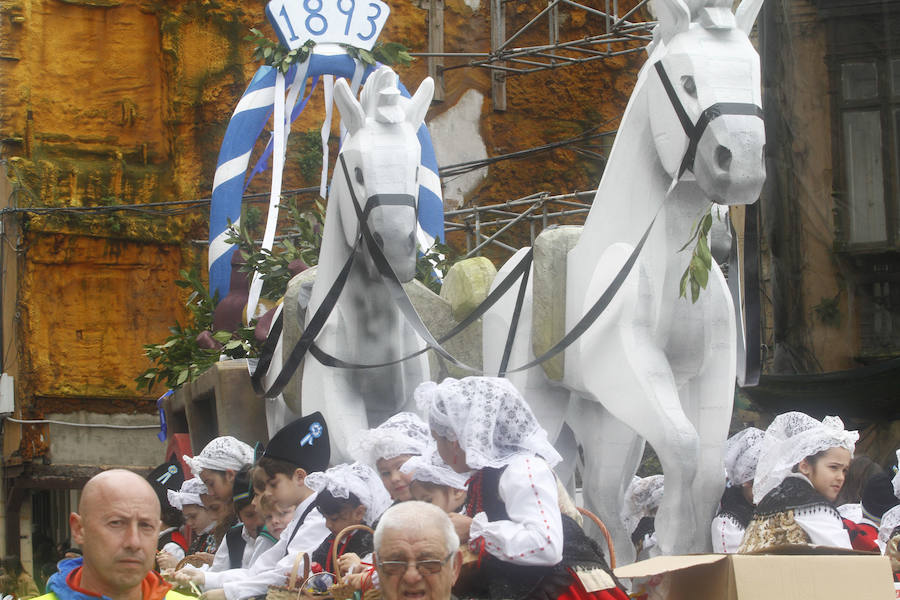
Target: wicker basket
x,y
343,590
293,590
195,560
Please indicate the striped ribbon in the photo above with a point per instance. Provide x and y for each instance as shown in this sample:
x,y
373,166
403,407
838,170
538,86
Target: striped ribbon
x,y
247,122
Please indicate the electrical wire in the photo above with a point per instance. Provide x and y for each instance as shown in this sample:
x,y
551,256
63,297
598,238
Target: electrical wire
x,y
70,424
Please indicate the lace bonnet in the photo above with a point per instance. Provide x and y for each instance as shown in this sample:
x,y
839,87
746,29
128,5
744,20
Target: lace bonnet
x,y
429,468
188,494
404,433
360,480
742,454
789,439
642,498
221,454
488,417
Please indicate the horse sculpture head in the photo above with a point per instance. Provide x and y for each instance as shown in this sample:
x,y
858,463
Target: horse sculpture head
x,y
379,163
704,97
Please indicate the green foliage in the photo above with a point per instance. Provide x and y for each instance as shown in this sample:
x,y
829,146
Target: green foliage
x,y
697,273
439,257
390,53
828,311
303,240
276,55
179,360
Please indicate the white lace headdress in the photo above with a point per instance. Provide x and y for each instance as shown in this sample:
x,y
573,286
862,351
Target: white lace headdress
x,y
741,455
896,480
431,469
404,433
488,417
889,522
360,480
642,497
188,494
789,439
221,454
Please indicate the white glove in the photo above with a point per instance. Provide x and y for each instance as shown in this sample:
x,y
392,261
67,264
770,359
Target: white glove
x,y
189,574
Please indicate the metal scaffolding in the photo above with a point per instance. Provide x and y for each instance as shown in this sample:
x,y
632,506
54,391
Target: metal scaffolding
x,y
619,35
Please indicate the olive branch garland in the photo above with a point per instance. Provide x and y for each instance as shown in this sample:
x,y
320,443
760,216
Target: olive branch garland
x,y
276,55
697,272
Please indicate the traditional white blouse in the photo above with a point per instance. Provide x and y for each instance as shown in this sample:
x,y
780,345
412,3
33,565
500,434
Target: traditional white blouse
x,y
533,535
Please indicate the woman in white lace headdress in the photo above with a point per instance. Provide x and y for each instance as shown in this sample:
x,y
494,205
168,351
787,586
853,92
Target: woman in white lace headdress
x,y
391,444
642,499
512,517
736,507
889,531
801,469
218,463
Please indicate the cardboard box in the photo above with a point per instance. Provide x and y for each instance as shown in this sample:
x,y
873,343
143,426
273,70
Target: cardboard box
x,y
765,577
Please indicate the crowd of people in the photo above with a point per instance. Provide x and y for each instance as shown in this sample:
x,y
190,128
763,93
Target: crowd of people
x,y
464,501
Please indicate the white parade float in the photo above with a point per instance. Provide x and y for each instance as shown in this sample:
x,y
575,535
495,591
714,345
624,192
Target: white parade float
x,y
692,134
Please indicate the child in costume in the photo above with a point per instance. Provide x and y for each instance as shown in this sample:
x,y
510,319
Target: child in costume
x,y
347,495
436,483
202,524
529,549
239,547
801,468
736,506
388,446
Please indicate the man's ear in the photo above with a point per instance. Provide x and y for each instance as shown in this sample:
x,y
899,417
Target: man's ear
x,y
76,526
299,476
457,565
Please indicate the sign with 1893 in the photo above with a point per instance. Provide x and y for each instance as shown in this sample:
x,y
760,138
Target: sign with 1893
x,y
353,22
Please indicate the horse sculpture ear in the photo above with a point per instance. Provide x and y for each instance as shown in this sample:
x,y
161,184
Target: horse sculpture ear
x,y
746,14
674,16
351,111
419,103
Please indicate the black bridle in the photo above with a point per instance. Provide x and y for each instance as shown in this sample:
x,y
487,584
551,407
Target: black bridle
x,y
694,131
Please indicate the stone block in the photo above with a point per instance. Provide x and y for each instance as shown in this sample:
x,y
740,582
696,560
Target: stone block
x,y
549,293
437,314
296,299
102,446
467,284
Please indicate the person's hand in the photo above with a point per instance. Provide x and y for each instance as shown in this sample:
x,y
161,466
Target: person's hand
x,y
462,524
165,560
349,562
354,580
189,575
217,594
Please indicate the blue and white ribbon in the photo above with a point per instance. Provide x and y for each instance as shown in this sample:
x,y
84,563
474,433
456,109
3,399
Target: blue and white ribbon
x,y
250,117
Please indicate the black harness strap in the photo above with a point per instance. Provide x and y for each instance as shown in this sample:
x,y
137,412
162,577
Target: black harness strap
x,y
694,131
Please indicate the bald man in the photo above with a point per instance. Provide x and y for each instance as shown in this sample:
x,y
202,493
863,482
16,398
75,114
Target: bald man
x,y
116,525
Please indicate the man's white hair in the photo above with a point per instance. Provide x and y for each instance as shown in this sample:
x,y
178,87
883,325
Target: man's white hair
x,y
416,516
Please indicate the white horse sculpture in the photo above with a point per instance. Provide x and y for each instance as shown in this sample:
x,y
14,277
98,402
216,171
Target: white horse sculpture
x,y
381,154
662,366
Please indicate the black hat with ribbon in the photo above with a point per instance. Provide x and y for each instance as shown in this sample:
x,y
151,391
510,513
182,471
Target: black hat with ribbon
x,y
167,476
303,442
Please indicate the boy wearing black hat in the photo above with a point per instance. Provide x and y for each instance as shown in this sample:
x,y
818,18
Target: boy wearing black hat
x,y
299,448
172,544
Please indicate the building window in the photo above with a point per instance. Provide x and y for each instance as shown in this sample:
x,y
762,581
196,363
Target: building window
x,y
864,56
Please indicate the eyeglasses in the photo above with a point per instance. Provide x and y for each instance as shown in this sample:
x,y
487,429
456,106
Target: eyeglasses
x,y
424,567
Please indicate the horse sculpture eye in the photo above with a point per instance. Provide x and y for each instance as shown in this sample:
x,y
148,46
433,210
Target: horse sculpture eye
x,y
359,176
687,82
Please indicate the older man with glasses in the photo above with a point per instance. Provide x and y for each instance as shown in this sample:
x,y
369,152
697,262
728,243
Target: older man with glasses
x,y
416,552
